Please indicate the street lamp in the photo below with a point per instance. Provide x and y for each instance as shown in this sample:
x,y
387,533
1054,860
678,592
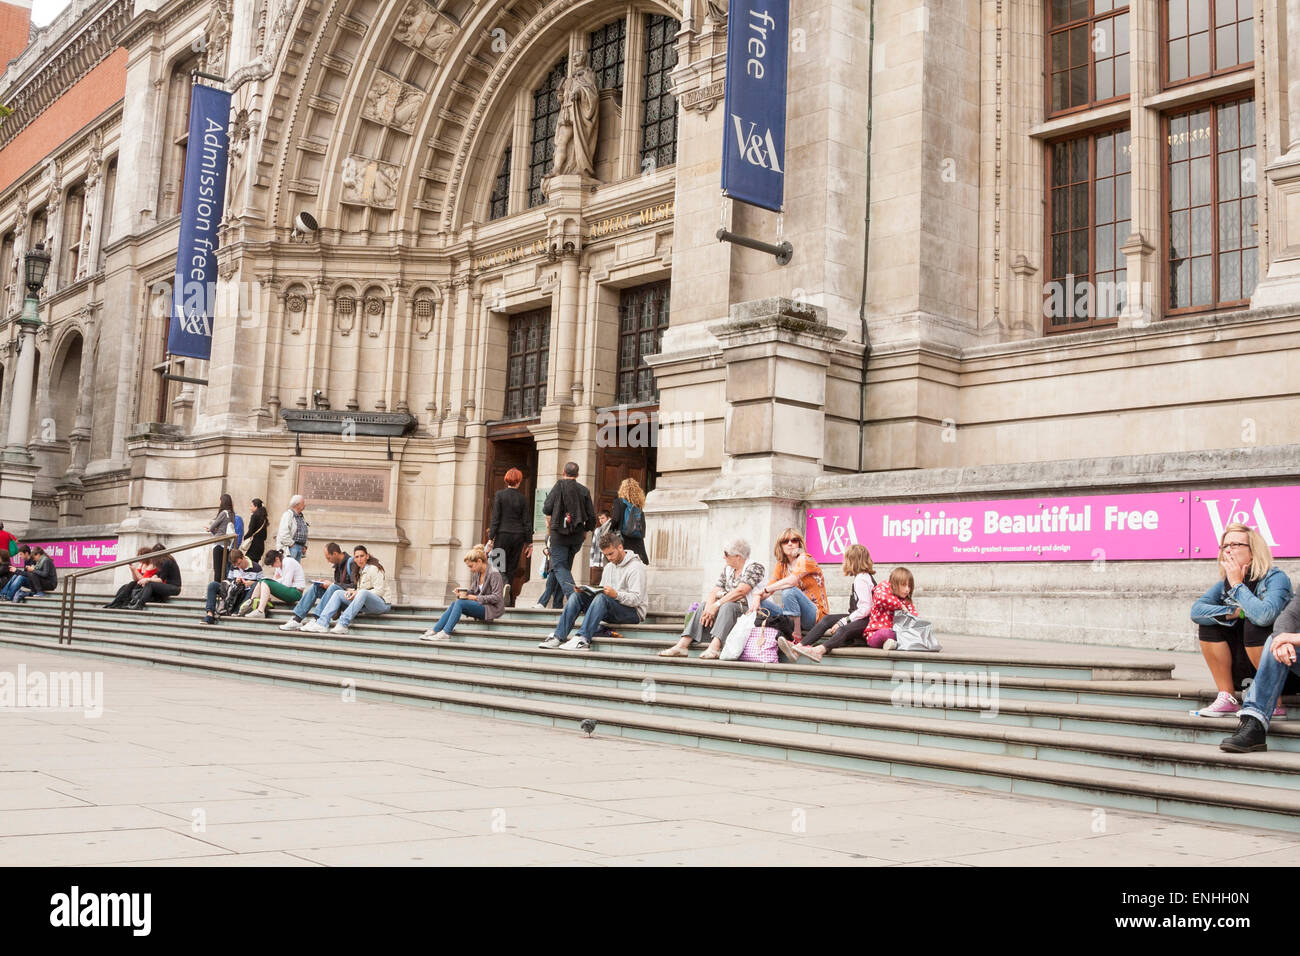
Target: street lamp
x,y
36,264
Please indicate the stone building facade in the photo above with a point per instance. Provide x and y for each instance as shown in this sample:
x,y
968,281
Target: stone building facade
x,y
1038,244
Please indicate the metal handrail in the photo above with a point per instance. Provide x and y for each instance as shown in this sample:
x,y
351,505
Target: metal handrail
x,y
68,585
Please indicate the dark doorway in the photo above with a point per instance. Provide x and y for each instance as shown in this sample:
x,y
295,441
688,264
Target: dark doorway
x,y
504,453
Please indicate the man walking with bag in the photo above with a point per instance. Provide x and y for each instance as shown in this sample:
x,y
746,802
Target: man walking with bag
x,y
569,516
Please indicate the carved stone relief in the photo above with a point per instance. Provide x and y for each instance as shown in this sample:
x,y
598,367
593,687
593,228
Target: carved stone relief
x,y
422,29
390,102
369,182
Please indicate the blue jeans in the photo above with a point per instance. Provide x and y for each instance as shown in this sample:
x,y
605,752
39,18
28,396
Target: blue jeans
x,y
1262,696
13,584
553,592
366,602
213,587
562,566
595,611
451,617
314,597
797,604
297,551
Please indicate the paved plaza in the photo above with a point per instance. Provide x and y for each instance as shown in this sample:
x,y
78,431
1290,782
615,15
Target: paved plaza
x,y
204,771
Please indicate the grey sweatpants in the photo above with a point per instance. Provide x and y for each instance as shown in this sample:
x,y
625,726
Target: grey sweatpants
x,y
728,615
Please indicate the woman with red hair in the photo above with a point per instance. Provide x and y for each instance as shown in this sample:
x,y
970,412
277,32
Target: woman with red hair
x,y
510,534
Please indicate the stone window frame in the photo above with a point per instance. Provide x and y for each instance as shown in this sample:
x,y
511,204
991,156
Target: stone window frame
x,y
176,129
660,39
541,129
1090,23
631,355
1120,269
1213,28
1213,105
499,200
519,383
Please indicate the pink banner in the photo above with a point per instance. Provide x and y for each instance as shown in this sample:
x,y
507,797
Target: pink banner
x,y
1121,527
1273,512
1113,527
81,554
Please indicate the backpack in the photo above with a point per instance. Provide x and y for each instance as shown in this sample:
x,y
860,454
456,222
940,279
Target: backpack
x,y
633,524
230,595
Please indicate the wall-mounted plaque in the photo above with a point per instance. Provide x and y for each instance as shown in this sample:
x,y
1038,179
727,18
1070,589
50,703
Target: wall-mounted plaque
x,y
346,489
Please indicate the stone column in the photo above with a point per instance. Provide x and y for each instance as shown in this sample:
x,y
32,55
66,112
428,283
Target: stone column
x,y
776,354
1147,153
458,380
565,238
1280,285
19,471
79,440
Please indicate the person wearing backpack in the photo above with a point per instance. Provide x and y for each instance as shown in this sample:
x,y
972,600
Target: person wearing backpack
x,y
223,523
569,516
628,516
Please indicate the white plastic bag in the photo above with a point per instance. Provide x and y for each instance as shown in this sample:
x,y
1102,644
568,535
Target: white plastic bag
x,y
914,634
734,645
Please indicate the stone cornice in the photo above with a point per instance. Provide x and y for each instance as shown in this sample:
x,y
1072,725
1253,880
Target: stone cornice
x,y
33,90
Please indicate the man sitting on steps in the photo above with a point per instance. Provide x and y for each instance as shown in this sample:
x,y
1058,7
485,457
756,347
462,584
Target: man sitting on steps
x,y
1276,663
623,599
319,592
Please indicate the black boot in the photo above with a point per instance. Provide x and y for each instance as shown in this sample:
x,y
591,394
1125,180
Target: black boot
x,y
1248,738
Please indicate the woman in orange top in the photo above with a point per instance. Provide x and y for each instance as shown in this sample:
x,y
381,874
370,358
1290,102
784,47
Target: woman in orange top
x,y
799,582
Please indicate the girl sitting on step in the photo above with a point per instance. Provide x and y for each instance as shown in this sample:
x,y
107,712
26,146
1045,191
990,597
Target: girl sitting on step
x,y
484,599
886,598
840,630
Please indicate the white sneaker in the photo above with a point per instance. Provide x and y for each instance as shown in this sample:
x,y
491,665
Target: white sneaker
x,y
550,643
339,629
575,644
314,626
291,625
431,635
889,645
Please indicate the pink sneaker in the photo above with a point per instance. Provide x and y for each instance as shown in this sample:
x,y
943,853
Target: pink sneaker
x,y
1225,705
1279,712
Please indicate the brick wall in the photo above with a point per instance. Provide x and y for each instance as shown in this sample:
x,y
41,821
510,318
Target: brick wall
x,y
84,100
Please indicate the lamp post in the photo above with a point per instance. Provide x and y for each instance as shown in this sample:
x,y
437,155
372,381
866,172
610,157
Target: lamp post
x,y
35,265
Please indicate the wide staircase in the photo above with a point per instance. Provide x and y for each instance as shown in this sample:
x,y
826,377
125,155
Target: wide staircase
x,y
1087,727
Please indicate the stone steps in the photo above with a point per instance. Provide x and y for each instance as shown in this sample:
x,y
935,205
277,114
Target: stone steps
x,y
1115,743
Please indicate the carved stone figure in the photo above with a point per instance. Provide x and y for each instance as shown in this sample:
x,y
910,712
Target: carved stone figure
x,y
391,102
421,28
217,37
369,182
580,111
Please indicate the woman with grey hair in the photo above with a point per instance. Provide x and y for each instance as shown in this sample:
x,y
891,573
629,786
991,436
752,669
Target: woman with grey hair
x,y
723,605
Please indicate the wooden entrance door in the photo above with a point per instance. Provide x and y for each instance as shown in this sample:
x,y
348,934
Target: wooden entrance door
x,y
504,454
613,465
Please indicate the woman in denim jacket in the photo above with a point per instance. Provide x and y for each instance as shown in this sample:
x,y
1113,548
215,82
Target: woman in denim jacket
x,y
1239,608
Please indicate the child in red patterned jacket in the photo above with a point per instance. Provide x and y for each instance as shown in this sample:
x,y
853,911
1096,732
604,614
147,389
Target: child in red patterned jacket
x,y
894,595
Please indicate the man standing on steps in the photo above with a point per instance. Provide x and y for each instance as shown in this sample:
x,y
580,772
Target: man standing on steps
x,y
292,535
569,516
1276,663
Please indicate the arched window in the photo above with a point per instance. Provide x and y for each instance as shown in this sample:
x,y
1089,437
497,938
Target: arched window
x,y
659,115
546,116
500,199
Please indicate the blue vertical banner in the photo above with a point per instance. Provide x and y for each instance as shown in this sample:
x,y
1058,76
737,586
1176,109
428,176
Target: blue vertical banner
x,y
203,199
753,147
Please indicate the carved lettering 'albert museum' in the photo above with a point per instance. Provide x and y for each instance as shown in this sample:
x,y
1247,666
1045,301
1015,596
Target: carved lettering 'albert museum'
x,y
1038,245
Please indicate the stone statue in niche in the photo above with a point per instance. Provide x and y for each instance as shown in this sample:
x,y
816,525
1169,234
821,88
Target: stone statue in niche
x,y
421,28
354,180
216,38
391,102
575,135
